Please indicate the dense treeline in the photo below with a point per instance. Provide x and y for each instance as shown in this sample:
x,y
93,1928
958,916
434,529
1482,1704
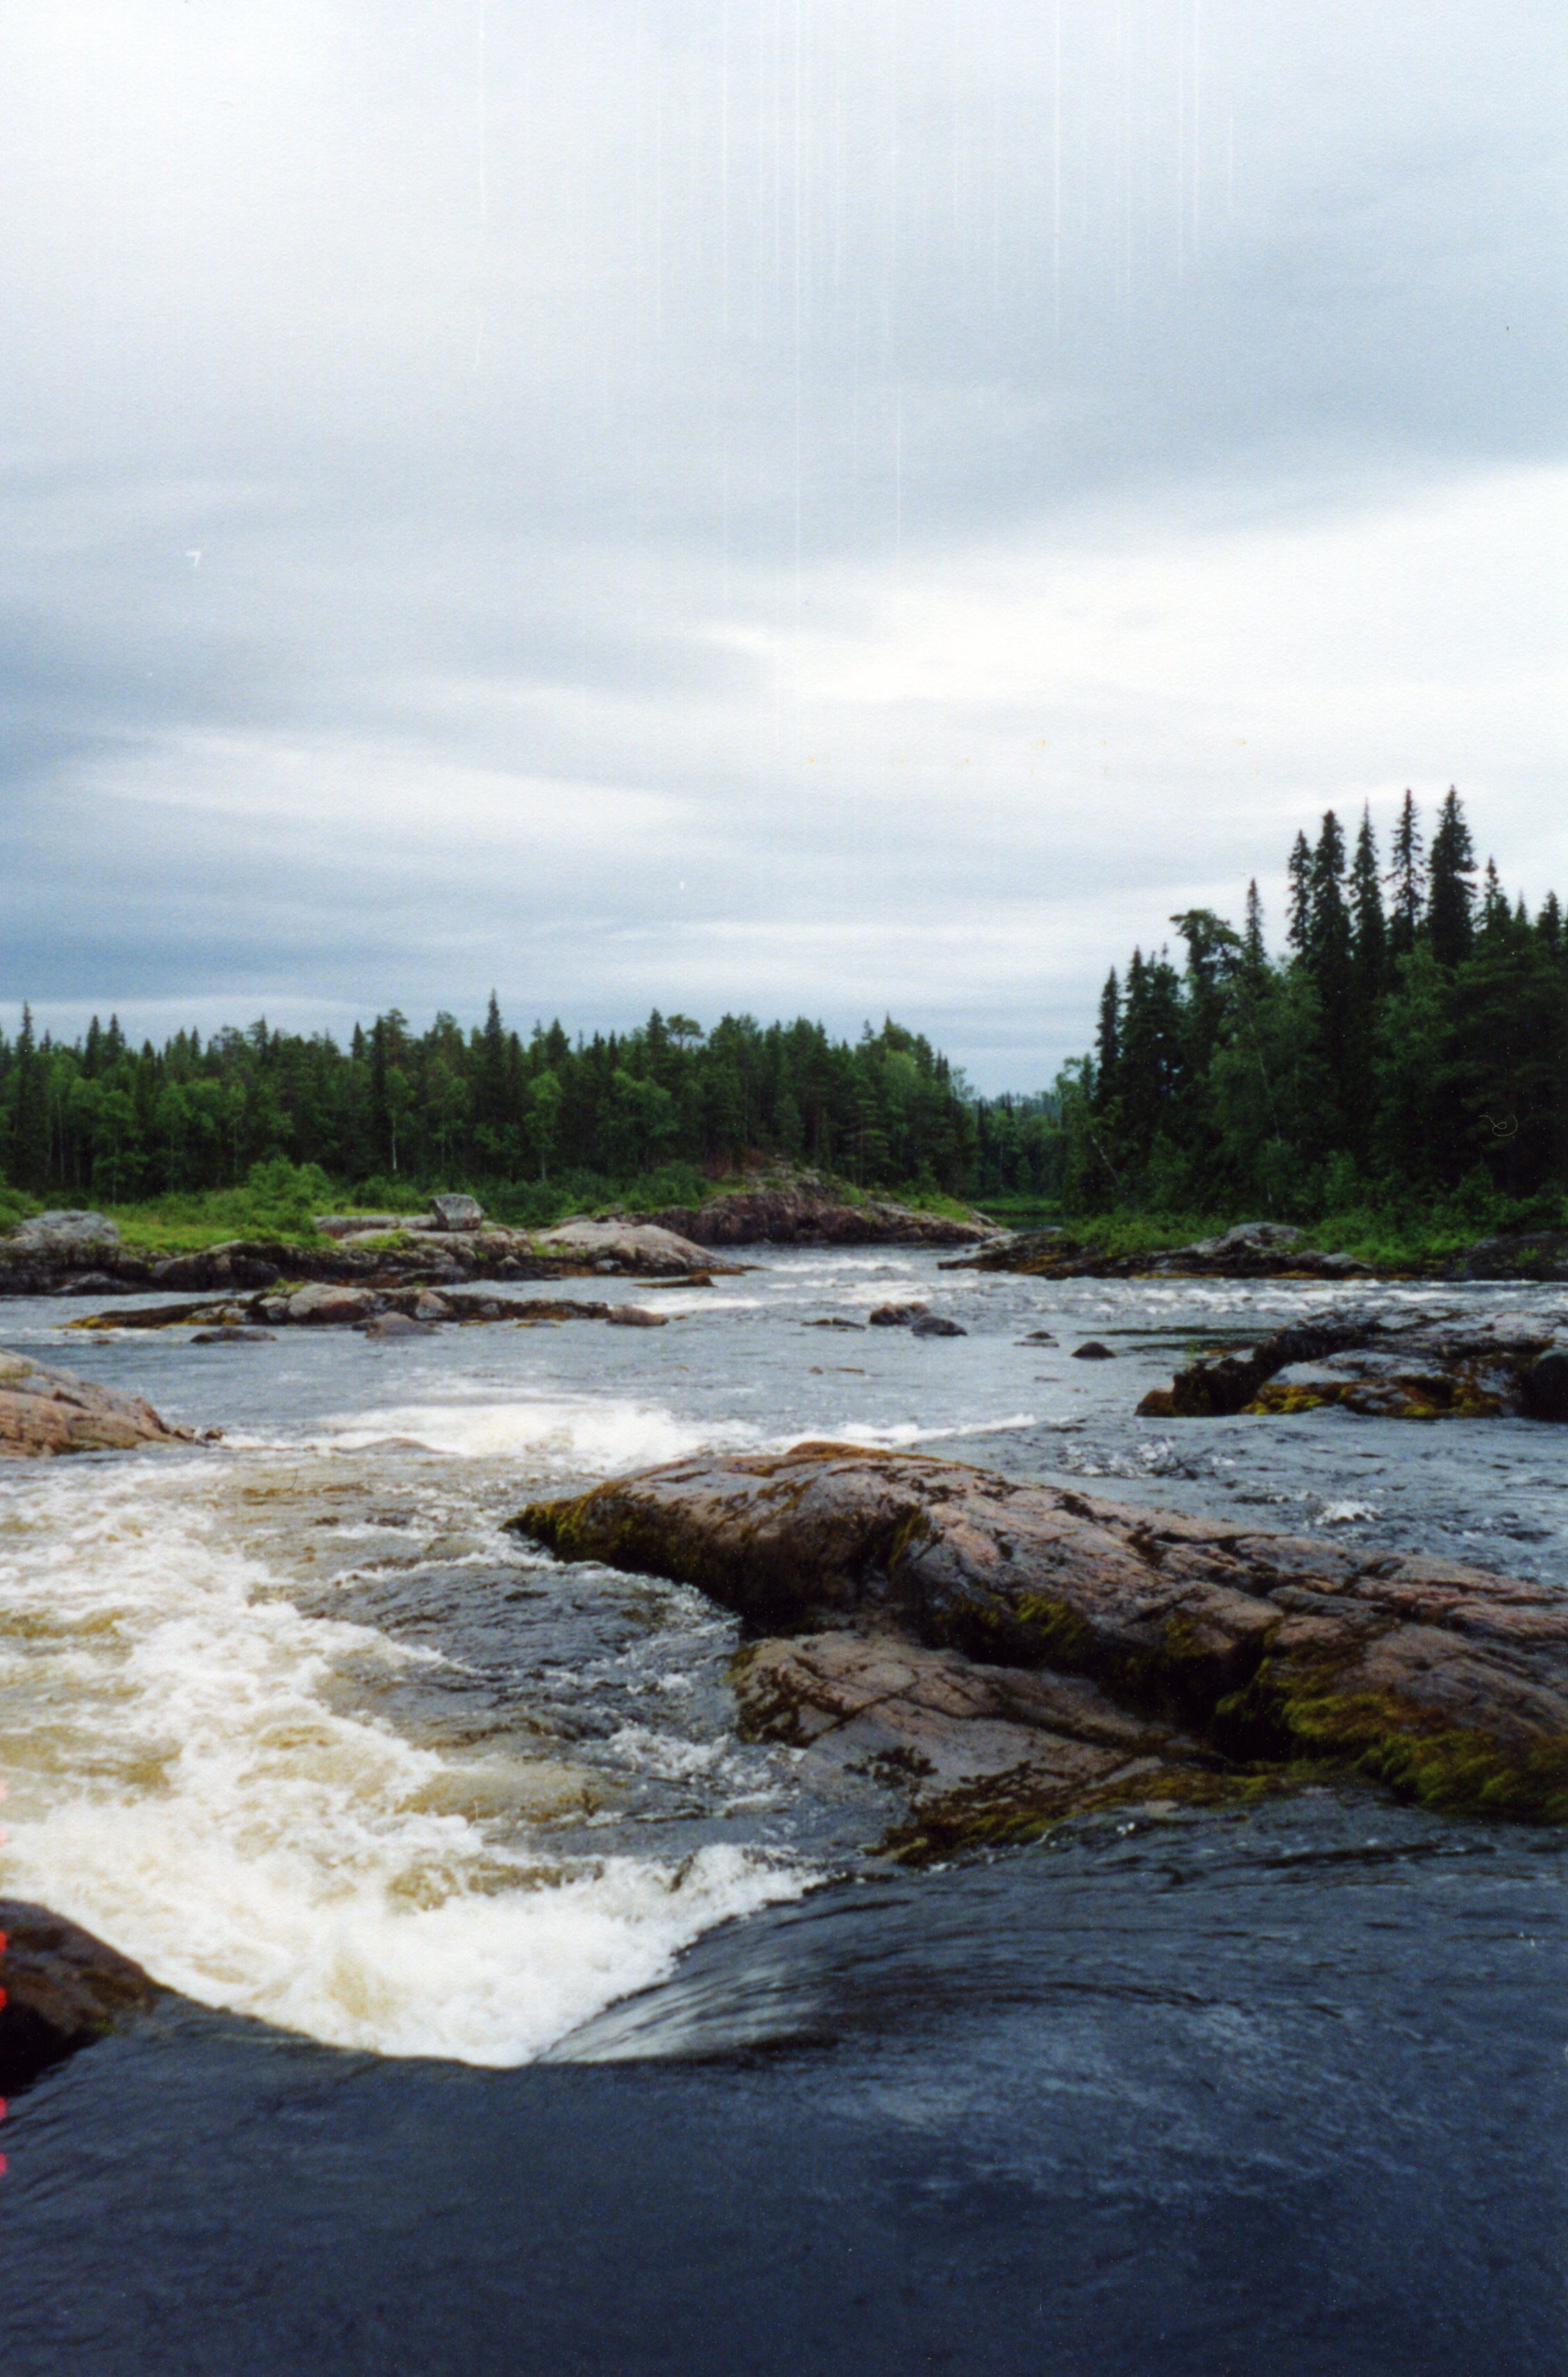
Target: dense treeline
x,y
97,1117
1411,1042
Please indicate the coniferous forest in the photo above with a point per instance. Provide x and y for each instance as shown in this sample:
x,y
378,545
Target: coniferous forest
x,y
394,1107
1410,1044
1407,1046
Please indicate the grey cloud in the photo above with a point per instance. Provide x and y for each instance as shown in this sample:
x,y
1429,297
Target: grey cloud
x,y
528,406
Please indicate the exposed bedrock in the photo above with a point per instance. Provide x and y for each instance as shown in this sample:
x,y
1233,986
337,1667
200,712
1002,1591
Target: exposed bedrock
x,y
1251,1251
80,1262
1449,1684
64,1989
44,1410
1512,1364
321,1305
807,1215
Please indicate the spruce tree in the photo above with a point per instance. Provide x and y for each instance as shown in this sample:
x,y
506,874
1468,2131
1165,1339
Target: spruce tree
x,y
1407,881
1450,918
1496,914
1255,950
1299,896
30,1133
1107,1041
1327,956
1369,931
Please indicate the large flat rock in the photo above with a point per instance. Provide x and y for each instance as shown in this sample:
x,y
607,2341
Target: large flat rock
x,y
44,1410
1450,1684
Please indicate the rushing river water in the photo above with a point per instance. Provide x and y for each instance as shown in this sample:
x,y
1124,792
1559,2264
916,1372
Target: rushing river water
x,y
291,1721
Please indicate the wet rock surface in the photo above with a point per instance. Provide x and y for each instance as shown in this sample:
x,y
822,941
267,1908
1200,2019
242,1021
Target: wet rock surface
x,y
1449,1684
45,1412
1498,1365
983,1751
64,1989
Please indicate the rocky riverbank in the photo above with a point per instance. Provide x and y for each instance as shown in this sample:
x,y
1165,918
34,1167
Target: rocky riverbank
x,y
1016,1653
1261,1250
1251,1251
82,1253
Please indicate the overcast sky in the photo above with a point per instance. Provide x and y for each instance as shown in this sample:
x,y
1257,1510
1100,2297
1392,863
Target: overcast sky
x,y
839,505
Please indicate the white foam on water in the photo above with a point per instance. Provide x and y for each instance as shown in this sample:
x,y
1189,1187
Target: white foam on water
x,y
180,1782
905,1432
553,1433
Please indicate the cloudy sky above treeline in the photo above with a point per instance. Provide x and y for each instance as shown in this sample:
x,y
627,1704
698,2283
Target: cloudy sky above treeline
x,y
825,506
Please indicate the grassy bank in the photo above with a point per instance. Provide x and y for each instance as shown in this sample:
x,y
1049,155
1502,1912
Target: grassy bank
x,y
278,1202
1402,1238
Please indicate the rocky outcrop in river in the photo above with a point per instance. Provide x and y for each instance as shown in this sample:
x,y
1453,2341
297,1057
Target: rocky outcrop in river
x,y
45,1412
1510,1365
323,1305
1228,1658
372,1251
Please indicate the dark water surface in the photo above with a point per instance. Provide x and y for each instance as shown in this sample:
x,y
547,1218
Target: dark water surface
x,y
546,2027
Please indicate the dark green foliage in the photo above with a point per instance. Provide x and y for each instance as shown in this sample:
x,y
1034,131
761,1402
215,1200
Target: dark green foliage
x,y
1420,1056
1450,896
403,1112
1407,882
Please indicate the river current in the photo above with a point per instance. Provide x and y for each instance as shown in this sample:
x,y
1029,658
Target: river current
x,y
291,1720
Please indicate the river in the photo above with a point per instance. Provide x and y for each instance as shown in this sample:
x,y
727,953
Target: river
x,y
534,2022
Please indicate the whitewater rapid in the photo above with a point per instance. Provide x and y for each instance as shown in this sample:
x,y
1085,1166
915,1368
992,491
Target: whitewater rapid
x,y
291,1721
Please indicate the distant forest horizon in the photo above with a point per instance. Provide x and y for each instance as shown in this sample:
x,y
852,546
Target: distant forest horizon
x,y
1410,1041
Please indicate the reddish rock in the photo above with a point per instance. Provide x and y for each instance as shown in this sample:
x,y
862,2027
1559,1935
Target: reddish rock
x,y
44,1410
1450,1684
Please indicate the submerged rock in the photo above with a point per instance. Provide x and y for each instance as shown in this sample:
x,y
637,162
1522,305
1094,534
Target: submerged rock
x,y
1449,1684
45,1412
935,1324
1092,1351
64,1989
897,1316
